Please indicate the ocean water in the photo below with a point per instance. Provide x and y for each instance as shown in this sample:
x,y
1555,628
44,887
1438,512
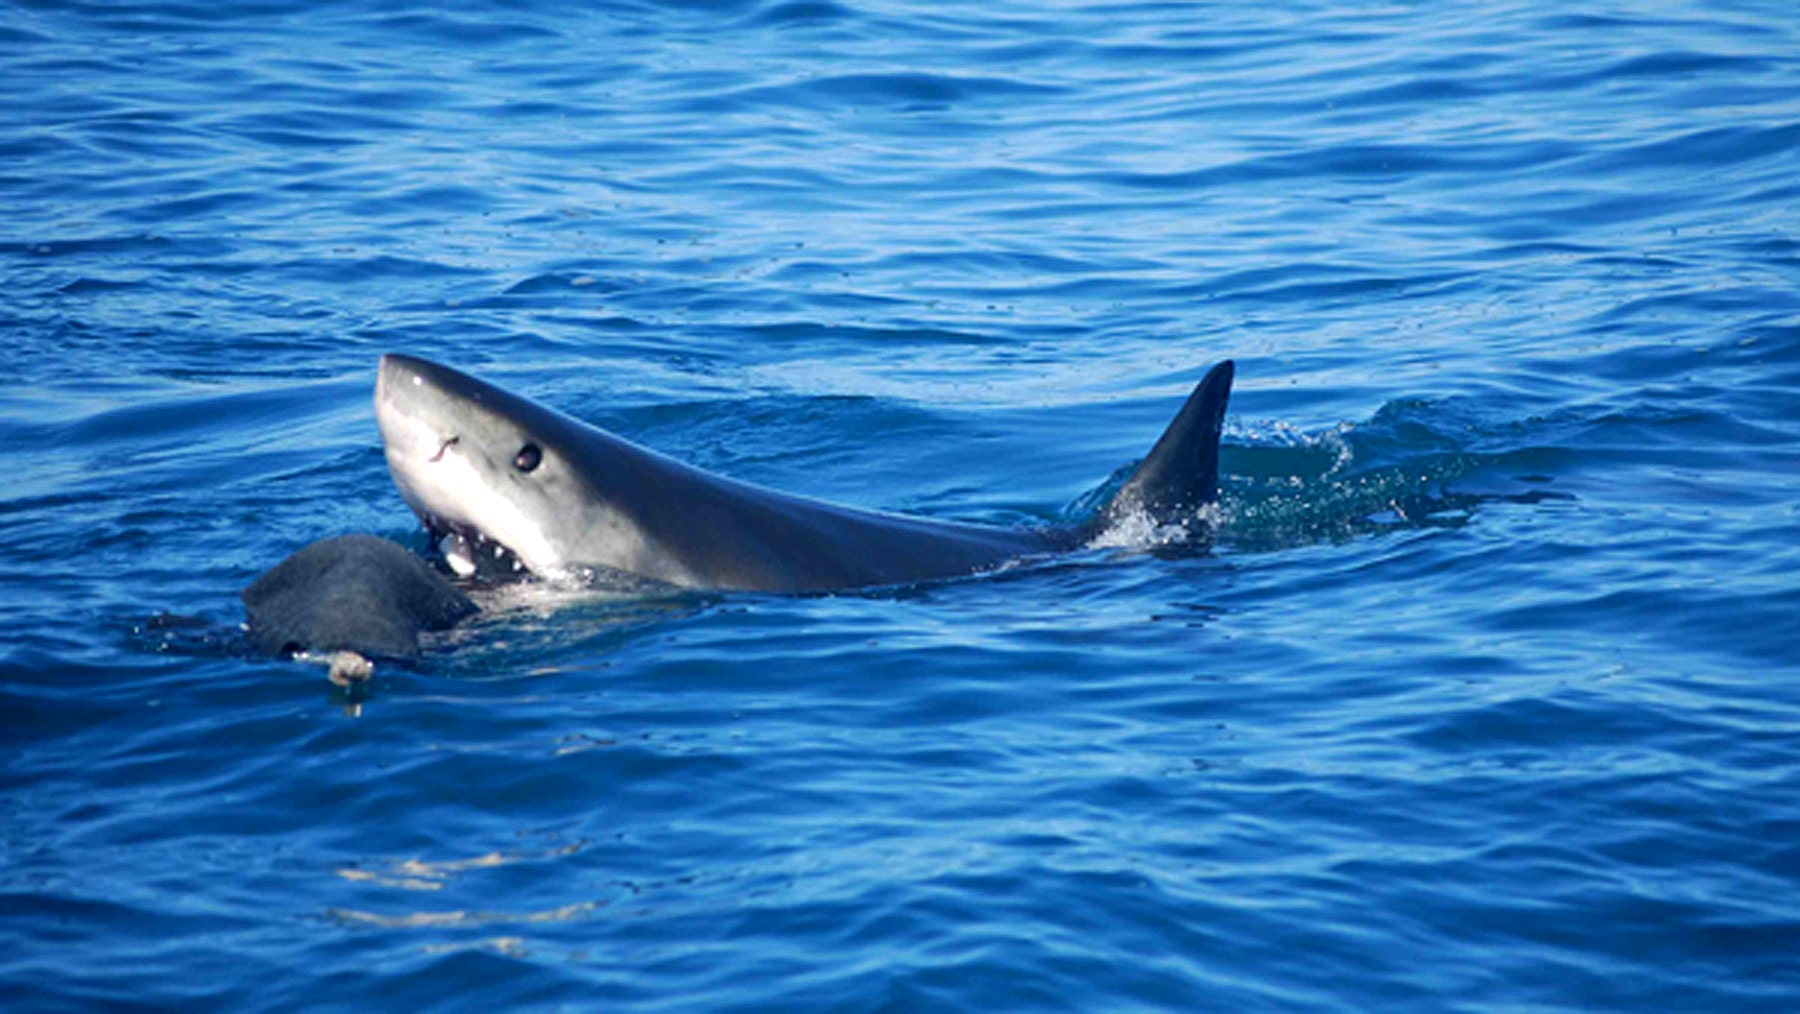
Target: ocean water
x,y
1487,696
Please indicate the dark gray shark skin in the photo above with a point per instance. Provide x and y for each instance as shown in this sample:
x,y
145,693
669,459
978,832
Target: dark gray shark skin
x,y
491,467
351,593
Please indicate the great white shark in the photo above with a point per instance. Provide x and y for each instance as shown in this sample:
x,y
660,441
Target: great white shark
x,y
483,467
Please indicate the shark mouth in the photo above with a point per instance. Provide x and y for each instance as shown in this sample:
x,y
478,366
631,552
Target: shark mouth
x,y
470,554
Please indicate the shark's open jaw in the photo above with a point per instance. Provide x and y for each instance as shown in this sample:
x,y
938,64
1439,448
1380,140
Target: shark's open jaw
x,y
469,553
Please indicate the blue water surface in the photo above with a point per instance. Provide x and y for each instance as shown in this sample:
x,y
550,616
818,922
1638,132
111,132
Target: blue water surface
x,y
1487,697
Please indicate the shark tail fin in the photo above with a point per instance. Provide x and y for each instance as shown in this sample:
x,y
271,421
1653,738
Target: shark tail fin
x,y
1181,474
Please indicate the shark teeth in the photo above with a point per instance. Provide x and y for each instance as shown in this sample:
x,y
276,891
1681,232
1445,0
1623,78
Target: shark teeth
x,y
469,552
457,554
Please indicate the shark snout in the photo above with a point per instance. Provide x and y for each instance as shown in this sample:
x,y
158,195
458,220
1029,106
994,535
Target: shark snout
x,y
390,381
408,407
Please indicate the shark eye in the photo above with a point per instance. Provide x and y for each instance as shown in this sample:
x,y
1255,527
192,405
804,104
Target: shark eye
x,y
528,458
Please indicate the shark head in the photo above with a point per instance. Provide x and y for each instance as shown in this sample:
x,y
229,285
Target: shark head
x,y
489,473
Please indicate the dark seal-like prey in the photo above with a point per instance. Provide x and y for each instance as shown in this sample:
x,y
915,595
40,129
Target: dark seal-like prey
x,y
354,593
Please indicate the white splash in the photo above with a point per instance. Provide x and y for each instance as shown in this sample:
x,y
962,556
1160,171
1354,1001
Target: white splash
x,y
1136,530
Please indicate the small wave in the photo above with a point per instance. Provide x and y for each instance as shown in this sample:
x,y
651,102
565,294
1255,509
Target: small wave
x,y
551,593
803,13
1415,464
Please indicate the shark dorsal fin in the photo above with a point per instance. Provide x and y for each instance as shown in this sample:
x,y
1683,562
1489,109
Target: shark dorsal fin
x,y
1181,473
